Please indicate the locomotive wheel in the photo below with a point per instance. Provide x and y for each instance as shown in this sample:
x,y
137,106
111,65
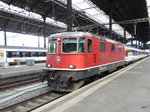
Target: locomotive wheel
x,y
77,85
73,86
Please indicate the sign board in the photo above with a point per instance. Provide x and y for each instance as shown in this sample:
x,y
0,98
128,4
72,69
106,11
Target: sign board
x,y
1,54
2,57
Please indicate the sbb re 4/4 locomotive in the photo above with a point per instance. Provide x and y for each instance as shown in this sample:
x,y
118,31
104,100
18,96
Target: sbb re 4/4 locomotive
x,y
73,57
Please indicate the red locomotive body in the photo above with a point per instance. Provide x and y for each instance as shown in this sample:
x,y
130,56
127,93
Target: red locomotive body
x,y
75,56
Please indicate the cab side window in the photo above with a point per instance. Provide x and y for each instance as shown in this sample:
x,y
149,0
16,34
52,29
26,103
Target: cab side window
x,y
112,48
89,45
82,47
102,46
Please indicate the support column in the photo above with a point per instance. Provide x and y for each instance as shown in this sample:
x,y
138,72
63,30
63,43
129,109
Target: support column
x,y
69,20
144,45
135,25
139,43
124,39
44,28
5,36
110,24
136,43
131,40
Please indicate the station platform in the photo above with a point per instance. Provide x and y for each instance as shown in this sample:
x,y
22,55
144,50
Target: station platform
x,y
18,70
126,90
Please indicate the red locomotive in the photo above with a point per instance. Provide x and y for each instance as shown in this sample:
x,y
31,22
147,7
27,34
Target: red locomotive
x,y
73,57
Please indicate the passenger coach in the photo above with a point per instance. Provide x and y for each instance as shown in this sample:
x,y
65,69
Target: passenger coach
x,y
14,54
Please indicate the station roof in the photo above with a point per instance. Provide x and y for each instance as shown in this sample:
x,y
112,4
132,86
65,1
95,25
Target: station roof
x,y
45,8
124,10
121,10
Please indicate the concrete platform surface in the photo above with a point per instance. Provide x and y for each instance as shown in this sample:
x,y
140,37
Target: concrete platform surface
x,y
12,71
127,90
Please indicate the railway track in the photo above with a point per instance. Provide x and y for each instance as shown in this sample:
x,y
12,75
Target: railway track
x,y
18,84
27,96
33,103
42,94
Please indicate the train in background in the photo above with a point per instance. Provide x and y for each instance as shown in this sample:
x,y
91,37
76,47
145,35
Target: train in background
x,y
14,54
75,57
133,54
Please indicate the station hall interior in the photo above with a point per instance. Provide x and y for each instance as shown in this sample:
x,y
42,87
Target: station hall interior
x,y
125,21
74,55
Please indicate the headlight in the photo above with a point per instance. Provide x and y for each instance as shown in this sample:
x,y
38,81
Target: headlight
x,y
72,66
49,65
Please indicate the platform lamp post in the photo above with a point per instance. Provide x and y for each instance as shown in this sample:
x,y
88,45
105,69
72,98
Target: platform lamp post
x,y
69,20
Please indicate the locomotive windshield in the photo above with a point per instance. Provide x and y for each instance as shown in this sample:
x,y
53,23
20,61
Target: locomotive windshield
x,y
69,45
52,46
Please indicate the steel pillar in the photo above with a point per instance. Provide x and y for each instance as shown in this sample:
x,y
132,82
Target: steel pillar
x,y
124,39
144,45
135,25
110,24
5,36
131,40
69,20
139,44
44,29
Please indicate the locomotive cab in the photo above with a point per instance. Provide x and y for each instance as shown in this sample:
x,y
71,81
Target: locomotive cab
x,y
67,53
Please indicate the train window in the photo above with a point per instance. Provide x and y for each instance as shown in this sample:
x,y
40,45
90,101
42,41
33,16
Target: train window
x,y
89,45
52,46
44,53
69,45
34,54
9,54
112,48
119,49
82,42
14,54
102,46
25,54
41,54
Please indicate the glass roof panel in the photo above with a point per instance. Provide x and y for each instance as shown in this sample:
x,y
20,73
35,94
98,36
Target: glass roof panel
x,y
77,1
95,13
24,13
102,18
92,11
148,8
82,5
148,2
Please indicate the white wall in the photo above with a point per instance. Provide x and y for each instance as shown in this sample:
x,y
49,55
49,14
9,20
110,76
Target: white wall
x,y
15,39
